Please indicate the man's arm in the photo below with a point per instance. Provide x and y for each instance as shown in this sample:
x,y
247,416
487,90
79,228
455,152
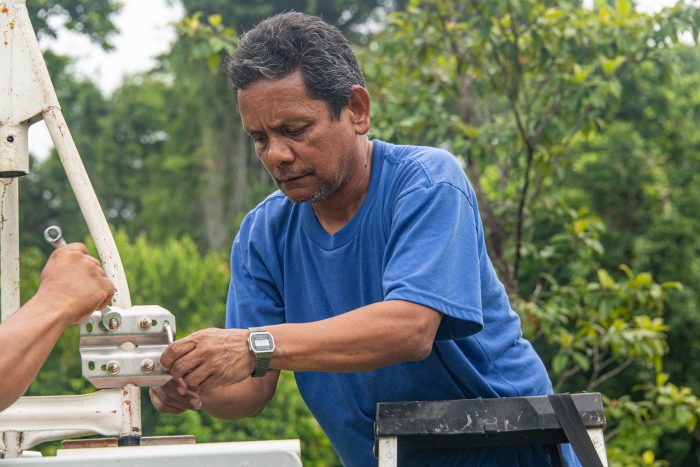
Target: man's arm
x,y
245,399
364,339
72,286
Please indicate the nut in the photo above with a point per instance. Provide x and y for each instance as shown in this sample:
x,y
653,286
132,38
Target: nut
x,y
147,365
112,324
113,367
145,323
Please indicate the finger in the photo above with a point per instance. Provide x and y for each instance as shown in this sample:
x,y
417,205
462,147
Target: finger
x,y
179,385
77,246
175,351
109,293
156,400
97,263
185,365
197,376
165,398
162,406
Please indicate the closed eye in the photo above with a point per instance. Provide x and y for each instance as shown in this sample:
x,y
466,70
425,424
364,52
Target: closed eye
x,y
258,139
294,131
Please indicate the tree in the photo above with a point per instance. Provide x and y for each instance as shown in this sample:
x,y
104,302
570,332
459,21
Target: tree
x,y
94,18
514,89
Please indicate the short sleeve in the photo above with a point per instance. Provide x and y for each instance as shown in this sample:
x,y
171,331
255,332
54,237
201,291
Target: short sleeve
x,y
253,298
432,257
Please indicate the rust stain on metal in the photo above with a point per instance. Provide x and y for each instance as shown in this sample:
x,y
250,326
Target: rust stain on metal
x,y
10,26
89,443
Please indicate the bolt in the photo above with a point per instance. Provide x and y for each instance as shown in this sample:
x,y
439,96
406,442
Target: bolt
x,y
113,324
147,365
10,139
145,322
113,367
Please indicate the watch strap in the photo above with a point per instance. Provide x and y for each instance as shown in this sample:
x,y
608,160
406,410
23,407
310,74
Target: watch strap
x,y
262,361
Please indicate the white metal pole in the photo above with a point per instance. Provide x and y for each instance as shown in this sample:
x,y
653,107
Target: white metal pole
x,y
9,241
388,451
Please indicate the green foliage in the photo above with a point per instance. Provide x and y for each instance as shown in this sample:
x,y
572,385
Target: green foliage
x,y
93,19
348,15
576,126
509,86
528,94
193,287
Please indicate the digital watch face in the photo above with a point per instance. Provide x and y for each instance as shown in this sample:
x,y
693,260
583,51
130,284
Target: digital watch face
x,y
261,342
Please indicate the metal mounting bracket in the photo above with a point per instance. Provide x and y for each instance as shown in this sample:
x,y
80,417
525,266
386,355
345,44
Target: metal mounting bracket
x,y
119,347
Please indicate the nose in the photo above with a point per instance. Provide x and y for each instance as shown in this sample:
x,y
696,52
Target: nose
x,y
278,152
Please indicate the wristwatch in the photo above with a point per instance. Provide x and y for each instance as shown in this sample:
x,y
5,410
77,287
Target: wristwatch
x,y
261,343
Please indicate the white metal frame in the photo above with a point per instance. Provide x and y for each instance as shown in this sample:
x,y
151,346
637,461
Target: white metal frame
x,y
27,96
34,420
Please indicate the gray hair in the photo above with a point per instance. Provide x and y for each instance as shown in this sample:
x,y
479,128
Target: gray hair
x,y
283,43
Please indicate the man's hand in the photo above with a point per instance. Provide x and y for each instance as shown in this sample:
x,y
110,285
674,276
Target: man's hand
x,y
74,283
210,358
174,397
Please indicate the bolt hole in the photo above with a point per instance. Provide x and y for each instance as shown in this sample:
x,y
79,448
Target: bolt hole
x,y
153,322
88,328
91,366
103,367
10,139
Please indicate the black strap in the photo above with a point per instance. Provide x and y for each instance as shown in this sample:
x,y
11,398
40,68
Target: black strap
x,y
575,431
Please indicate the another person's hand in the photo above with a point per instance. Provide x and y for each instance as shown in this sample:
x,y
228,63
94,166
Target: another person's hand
x,y
174,397
210,358
74,283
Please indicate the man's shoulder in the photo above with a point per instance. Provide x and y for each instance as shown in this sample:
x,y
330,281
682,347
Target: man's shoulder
x,y
267,214
424,166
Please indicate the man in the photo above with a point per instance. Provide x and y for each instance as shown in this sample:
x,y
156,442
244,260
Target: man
x,y
73,285
368,269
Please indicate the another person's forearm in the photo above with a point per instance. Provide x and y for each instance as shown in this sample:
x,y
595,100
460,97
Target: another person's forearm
x,y
244,399
364,339
27,339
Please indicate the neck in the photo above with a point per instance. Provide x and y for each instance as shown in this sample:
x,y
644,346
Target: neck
x,y
333,213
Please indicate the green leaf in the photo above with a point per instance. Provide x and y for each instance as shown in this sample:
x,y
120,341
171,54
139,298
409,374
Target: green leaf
x,y
581,360
661,379
642,280
579,75
559,362
606,281
623,8
610,65
213,60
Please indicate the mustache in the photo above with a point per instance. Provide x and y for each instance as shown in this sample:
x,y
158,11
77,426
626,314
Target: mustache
x,y
286,173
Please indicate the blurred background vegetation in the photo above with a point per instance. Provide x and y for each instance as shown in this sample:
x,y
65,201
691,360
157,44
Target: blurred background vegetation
x,y
576,122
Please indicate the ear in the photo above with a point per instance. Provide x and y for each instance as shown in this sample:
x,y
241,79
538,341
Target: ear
x,y
358,109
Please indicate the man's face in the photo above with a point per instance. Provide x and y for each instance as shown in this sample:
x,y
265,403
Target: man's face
x,y
307,152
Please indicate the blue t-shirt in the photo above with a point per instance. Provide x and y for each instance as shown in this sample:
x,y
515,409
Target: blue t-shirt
x,y
417,237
